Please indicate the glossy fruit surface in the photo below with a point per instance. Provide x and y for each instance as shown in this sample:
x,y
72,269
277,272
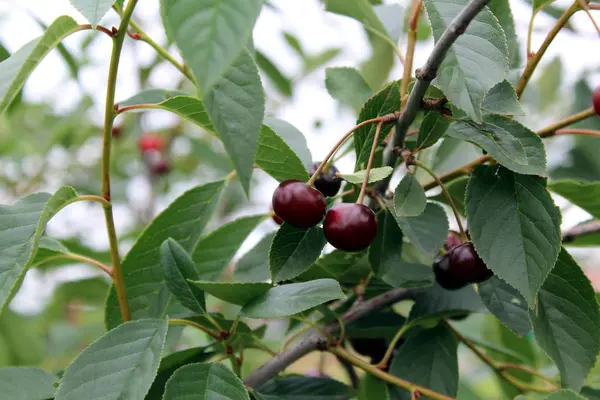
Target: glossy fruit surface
x,y
596,99
459,267
452,240
326,182
276,219
298,204
446,275
350,227
151,142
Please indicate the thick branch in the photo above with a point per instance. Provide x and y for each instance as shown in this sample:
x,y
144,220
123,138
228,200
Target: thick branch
x,y
581,230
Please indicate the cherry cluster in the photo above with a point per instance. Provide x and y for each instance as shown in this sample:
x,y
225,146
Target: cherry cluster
x,y
153,148
349,227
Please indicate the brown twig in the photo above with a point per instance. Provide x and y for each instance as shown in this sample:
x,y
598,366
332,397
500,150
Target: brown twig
x,y
585,229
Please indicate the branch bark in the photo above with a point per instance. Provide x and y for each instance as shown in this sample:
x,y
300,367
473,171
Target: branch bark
x,y
581,230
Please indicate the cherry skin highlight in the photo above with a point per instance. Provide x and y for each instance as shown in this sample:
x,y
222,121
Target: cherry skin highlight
x,y
326,181
596,100
298,204
350,227
151,142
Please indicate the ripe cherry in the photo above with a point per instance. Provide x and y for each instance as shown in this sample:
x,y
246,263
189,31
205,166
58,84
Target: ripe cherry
x,y
350,227
446,275
327,182
151,142
452,240
596,99
298,204
459,267
277,220
160,167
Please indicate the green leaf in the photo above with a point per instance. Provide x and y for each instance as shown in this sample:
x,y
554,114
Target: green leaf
x,y
254,265
21,227
564,395
549,83
281,82
277,159
375,175
432,128
385,253
285,300
184,220
373,388
409,197
582,194
348,86
409,275
304,388
434,367
293,138
384,102
590,393
121,364
16,69
205,381
510,143
502,11
477,60
26,383
437,302
566,321
236,105
179,269
506,303
210,34
428,231
294,250
515,227
239,293
151,96
93,10
457,189
502,99
213,252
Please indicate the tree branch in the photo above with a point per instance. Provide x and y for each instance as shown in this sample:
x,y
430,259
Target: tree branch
x,y
581,230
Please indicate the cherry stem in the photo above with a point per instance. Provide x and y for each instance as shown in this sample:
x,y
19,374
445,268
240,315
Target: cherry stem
x,y
388,353
97,28
178,321
365,182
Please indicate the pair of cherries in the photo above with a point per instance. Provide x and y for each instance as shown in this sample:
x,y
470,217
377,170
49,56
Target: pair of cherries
x,y
349,227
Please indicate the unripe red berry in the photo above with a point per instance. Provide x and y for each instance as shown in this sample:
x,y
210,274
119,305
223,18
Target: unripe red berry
x,y
151,142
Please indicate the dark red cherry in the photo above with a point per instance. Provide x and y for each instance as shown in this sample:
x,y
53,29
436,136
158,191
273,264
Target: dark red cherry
x,y
151,142
298,204
327,182
160,167
596,99
276,219
446,275
452,240
466,260
350,227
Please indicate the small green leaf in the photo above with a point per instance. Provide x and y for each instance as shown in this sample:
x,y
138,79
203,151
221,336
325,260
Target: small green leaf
x,y
432,128
213,252
239,293
277,159
151,96
502,99
510,143
16,69
409,275
375,175
566,321
236,106
21,227
285,300
179,269
385,253
121,364
582,194
507,304
434,367
205,381
26,383
457,189
502,11
254,265
348,86
409,197
92,10
437,302
281,82
304,388
373,388
210,34
293,138
515,227
428,231
482,45
294,250
564,395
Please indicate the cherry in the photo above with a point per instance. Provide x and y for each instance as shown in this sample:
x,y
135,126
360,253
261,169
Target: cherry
x,y
298,204
459,267
452,240
350,227
116,131
327,181
277,220
151,142
161,167
446,275
596,99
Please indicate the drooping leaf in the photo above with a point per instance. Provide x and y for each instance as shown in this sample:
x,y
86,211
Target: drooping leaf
x,y
566,321
510,143
210,35
436,302
21,227
281,82
582,194
502,99
502,11
457,189
121,364
428,231
432,128
254,265
292,137
409,197
304,388
179,270
434,367
236,106
348,86
239,293
15,70
213,252
92,10
184,220
385,253
26,383
375,175
285,300
477,60
515,227
506,303
294,250
277,159
205,381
